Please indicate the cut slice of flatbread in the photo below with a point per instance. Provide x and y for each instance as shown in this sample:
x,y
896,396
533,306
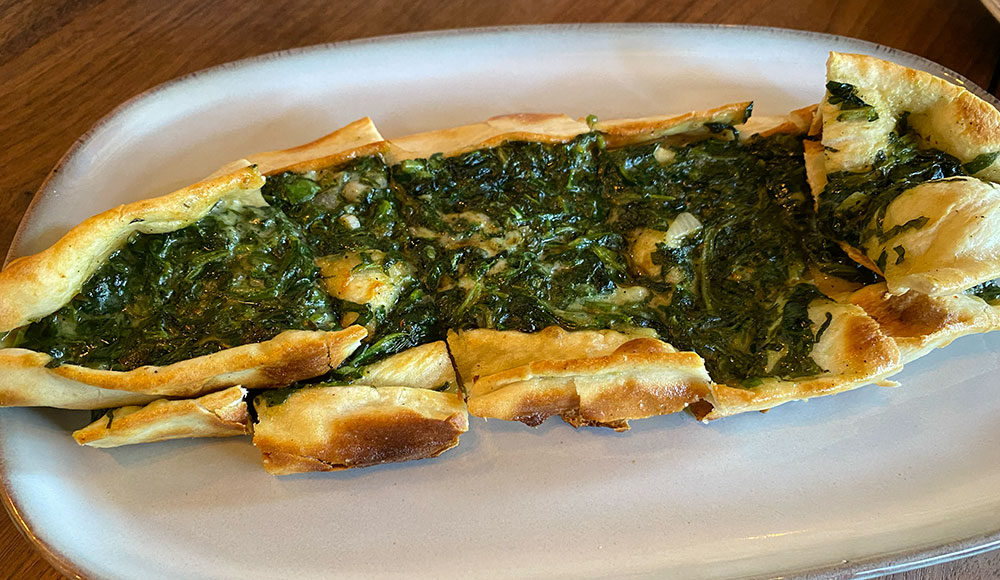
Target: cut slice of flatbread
x,y
394,412
588,377
38,285
220,414
948,117
919,323
27,380
851,349
930,230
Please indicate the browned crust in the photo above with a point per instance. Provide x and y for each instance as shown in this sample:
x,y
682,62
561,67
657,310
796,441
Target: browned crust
x,y
369,440
38,285
949,117
221,414
358,139
495,131
357,426
621,132
919,323
622,378
291,356
854,351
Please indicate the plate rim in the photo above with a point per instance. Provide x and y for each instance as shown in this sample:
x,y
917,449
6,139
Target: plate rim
x,y
876,565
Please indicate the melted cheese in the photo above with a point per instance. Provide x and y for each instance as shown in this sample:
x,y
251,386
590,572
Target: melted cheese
x,y
347,277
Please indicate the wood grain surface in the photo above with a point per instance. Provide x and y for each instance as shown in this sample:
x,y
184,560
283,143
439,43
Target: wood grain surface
x,y
65,64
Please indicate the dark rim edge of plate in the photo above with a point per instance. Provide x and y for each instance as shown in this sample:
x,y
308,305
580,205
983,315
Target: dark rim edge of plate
x,y
879,564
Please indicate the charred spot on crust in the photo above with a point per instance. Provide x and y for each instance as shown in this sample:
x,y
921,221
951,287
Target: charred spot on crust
x,y
906,315
574,418
391,437
367,440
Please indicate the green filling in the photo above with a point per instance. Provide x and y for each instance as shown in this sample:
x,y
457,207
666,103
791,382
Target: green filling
x,y
521,236
236,276
981,162
851,106
348,208
988,291
353,208
517,237
853,204
741,302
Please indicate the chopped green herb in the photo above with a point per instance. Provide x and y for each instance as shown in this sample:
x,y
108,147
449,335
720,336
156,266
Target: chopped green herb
x,y
236,276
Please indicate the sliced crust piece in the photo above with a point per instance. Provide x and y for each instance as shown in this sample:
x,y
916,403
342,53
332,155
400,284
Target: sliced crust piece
x,y
427,366
853,350
956,247
588,377
947,116
221,414
357,139
537,127
796,122
392,413
334,428
293,355
954,244
919,323
621,132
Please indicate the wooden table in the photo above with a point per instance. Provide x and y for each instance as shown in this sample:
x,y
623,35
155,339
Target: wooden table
x,y
65,64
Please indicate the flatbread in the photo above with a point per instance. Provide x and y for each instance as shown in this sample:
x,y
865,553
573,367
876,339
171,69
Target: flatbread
x,y
940,237
38,285
354,140
411,405
919,323
220,414
588,377
949,117
27,380
392,413
853,351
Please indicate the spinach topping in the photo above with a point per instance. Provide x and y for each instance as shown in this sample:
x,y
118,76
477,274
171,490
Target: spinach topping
x,y
516,237
353,208
851,106
345,208
988,291
520,236
237,276
853,204
736,293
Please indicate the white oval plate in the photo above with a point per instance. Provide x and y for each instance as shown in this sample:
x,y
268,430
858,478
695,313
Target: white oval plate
x,y
867,482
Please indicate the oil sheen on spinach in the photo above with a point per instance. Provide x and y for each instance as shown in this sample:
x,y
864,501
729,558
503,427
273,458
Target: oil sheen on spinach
x,y
736,293
352,208
236,276
517,237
